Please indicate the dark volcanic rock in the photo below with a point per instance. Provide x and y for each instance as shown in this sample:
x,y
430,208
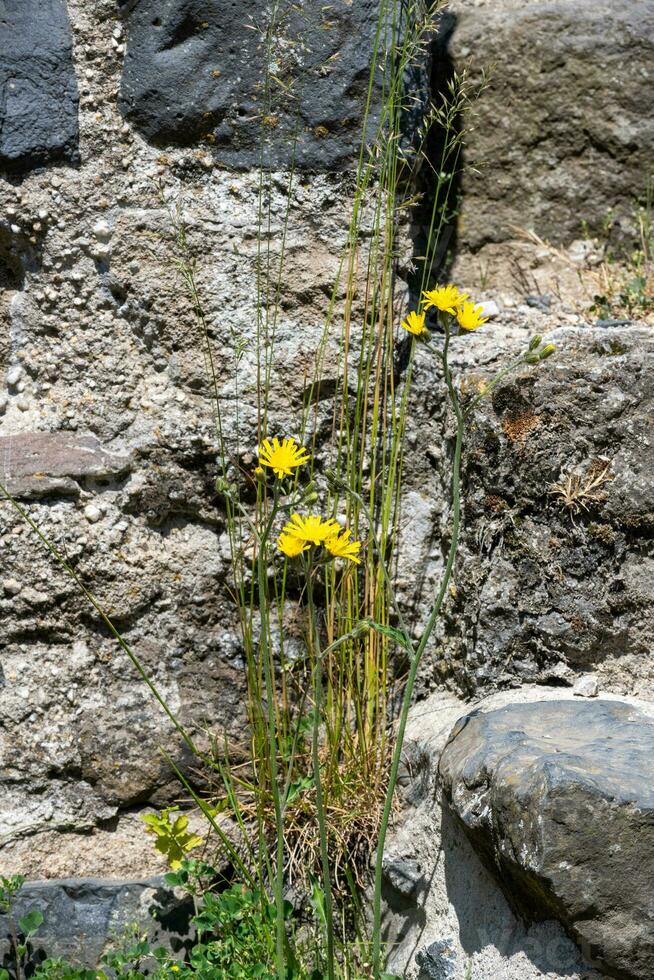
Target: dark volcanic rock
x,y
195,71
557,798
80,914
547,584
437,961
38,89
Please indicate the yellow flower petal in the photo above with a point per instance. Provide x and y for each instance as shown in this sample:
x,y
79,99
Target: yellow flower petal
x,y
415,323
282,457
311,529
470,316
340,546
291,546
444,298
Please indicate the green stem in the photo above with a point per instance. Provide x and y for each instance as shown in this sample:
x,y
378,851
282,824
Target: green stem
x,y
278,885
320,803
14,939
206,810
415,662
496,380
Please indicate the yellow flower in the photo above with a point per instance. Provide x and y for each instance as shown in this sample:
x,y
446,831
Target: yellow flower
x,y
291,546
282,457
311,529
445,298
470,316
340,546
415,323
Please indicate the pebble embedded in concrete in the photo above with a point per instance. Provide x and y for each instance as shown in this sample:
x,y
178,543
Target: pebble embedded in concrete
x,y
14,375
92,513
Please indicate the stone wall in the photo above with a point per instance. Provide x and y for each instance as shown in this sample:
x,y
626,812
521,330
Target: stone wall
x,y
107,430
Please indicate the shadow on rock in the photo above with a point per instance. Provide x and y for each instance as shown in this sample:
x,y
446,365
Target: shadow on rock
x,y
486,920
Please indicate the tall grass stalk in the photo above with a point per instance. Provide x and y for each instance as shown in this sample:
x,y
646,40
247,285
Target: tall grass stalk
x,y
417,654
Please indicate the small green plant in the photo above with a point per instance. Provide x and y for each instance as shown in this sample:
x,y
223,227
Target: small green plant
x,y
236,940
627,278
173,839
21,930
58,969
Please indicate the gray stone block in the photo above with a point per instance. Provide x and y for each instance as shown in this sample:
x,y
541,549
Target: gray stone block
x,y
81,914
39,464
557,798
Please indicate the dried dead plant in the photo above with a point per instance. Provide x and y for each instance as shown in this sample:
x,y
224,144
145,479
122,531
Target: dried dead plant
x,y
578,492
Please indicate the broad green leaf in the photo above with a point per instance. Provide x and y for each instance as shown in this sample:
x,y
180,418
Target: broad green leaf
x,y
29,923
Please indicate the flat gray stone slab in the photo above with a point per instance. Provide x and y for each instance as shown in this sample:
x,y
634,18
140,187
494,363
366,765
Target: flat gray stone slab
x,y
38,88
81,914
207,72
558,798
39,464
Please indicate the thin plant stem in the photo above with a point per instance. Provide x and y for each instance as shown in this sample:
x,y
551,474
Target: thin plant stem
x,y
15,943
206,811
264,651
418,653
320,803
520,361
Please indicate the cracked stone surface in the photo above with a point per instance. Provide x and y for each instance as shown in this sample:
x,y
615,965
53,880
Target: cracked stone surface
x,y
563,132
81,914
446,913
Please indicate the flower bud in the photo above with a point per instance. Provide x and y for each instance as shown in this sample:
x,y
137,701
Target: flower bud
x,y
535,342
311,497
531,358
547,351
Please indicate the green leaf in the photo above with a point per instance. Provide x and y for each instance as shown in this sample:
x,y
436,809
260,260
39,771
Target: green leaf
x,y
318,902
298,787
398,636
180,825
29,923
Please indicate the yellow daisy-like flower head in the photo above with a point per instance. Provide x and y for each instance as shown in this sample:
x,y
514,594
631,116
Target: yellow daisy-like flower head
x,y
311,529
282,457
444,298
415,323
291,546
340,546
470,316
